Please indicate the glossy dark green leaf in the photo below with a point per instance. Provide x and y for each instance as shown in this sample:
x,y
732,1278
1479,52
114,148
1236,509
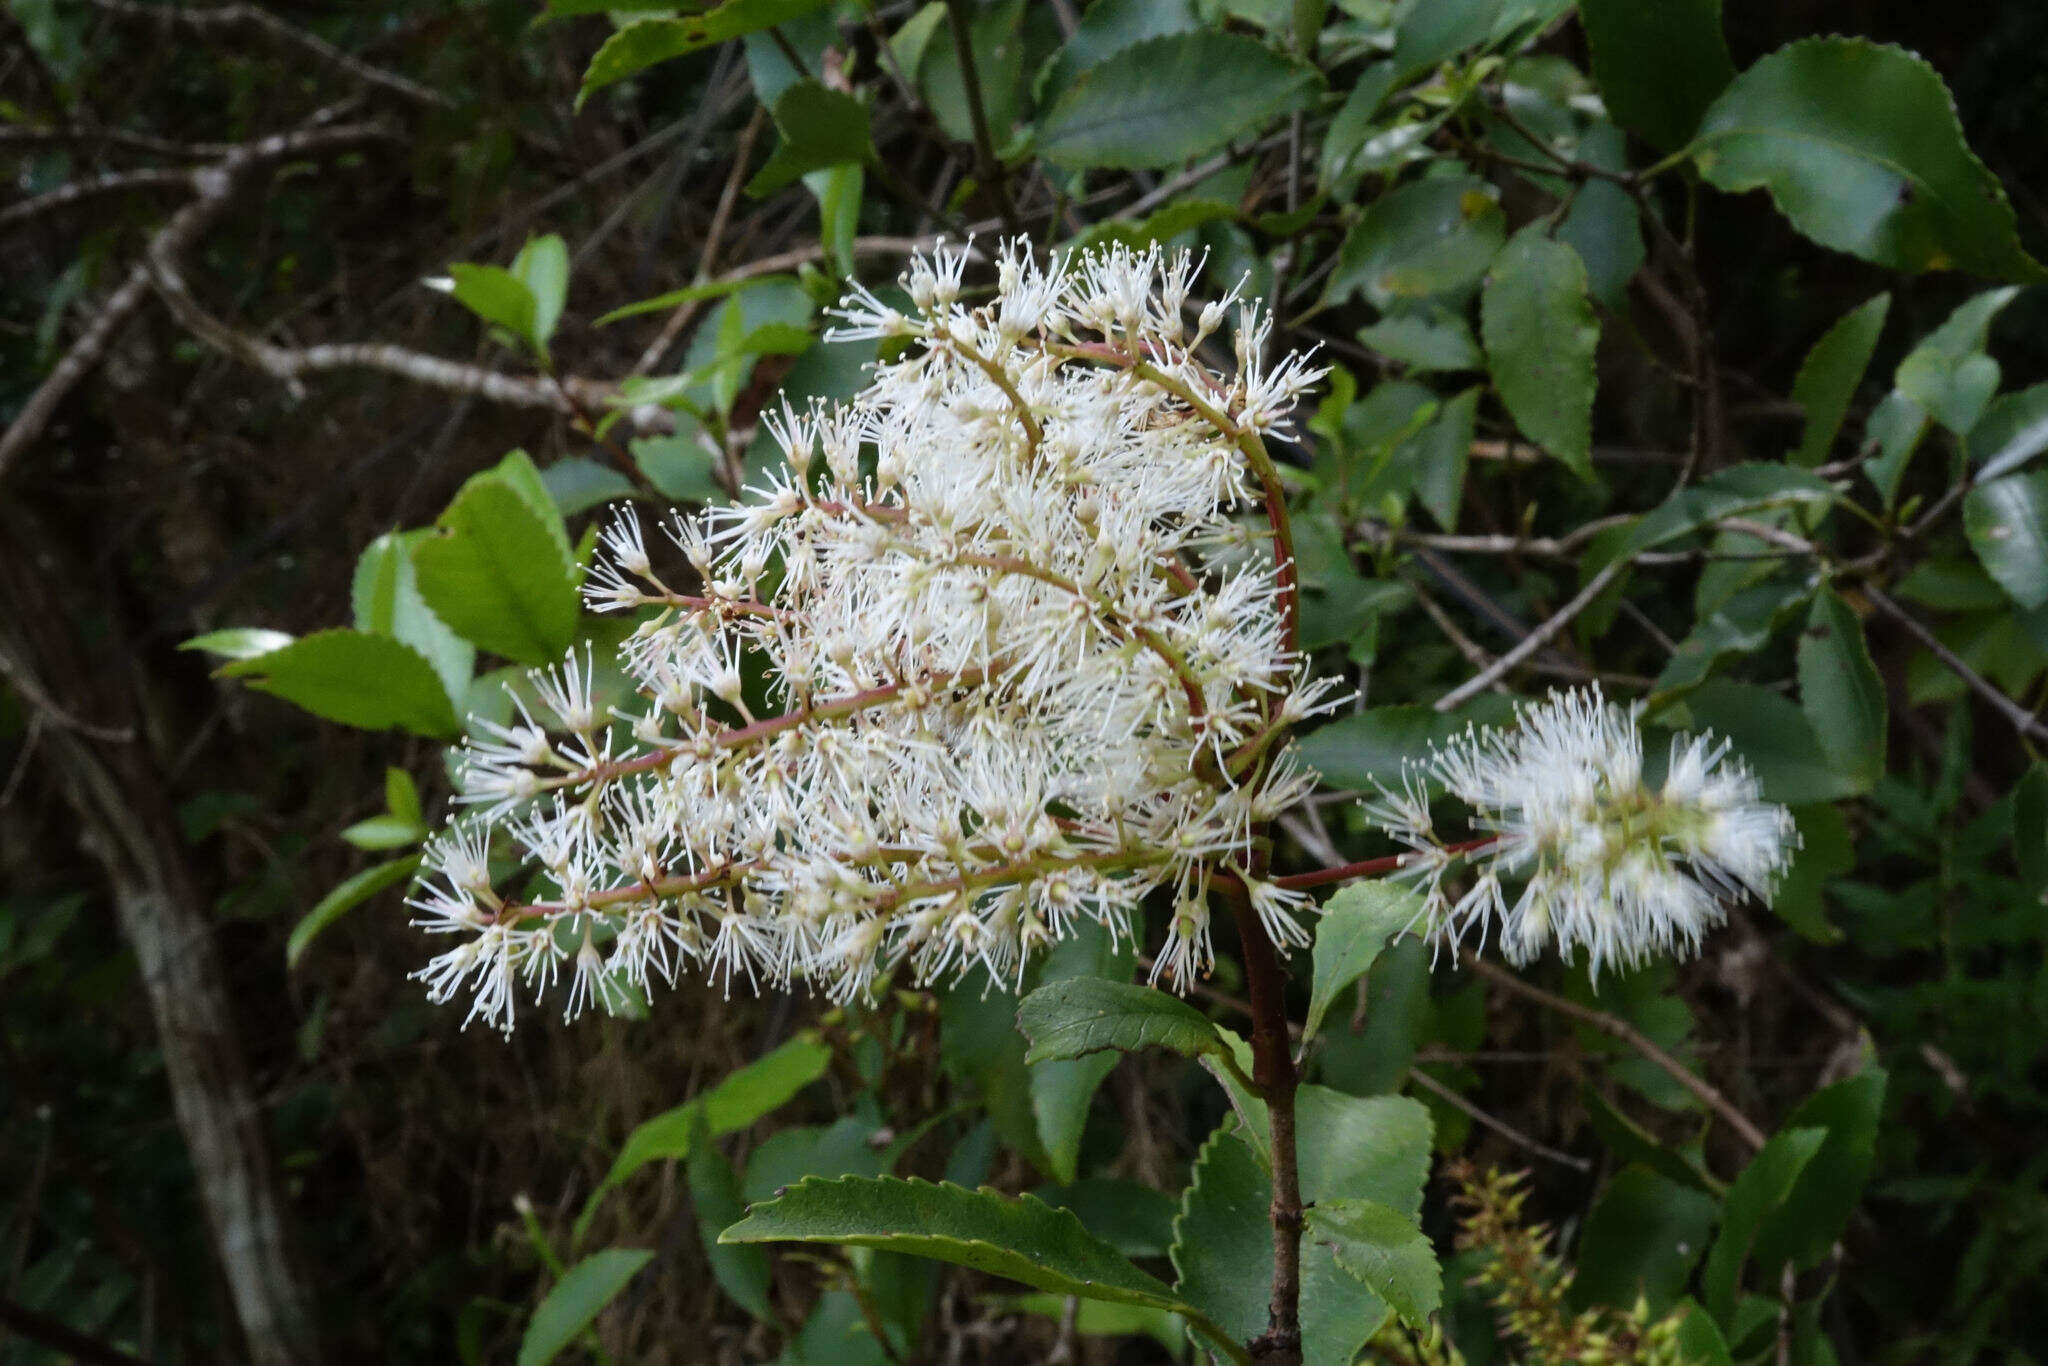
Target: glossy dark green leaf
x,y
370,682
1107,27
1859,145
1355,925
1425,342
1841,693
1829,375
497,577
1371,746
1022,1239
1774,737
1425,238
352,892
1946,366
1541,335
820,128
1161,101
1752,1197
2007,521
1804,1228
1658,63
2030,829
1827,849
642,42
1642,1238
579,484
577,1299
1082,1015
1385,1251
2014,430
741,1270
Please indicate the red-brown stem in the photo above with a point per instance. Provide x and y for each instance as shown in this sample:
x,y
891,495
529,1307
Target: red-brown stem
x,y
739,736
1273,1073
1372,867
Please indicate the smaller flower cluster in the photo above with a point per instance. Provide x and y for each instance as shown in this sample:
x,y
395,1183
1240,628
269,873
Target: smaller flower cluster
x,y
1600,858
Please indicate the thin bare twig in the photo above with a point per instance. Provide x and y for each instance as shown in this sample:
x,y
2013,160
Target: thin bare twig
x,y
1531,643
1499,1126
214,186
114,182
2024,721
1623,1031
254,18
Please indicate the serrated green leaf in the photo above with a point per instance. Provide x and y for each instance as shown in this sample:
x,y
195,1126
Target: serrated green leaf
x,y
1859,145
1830,373
1022,1239
2007,521
577,1299
1899,423
370,682
1841,693
1223,1238
518,473
1166,99
1083,1015
239,642
496,576
1541,335
1426,238
643,42
1658,63
1107,27
1223,1251
1385,1250
1355,925
350,893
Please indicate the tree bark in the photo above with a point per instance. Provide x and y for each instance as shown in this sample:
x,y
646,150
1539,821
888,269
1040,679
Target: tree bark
x,y
111,781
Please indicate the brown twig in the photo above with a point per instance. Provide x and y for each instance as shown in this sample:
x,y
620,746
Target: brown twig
x,y
1624,1032
254,18
214,187
1534,641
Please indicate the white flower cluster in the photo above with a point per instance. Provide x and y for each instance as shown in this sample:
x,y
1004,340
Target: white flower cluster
x,y
994,651
1601,858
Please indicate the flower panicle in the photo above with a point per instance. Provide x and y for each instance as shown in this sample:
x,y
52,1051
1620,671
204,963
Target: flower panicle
x,y
990,655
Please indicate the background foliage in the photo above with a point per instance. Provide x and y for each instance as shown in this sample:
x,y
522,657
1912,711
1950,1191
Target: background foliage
x,y
1768,460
